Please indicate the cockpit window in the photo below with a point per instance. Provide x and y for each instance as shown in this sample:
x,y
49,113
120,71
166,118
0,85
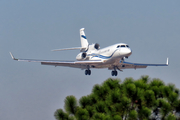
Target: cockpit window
x,y
118,46
123,46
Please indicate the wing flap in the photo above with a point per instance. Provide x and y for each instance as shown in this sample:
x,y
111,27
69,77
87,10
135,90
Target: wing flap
x,y
127,66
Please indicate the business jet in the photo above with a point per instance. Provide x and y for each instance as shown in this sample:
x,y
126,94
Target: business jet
x,y
91,56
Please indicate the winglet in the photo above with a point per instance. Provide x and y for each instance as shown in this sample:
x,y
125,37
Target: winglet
x,y
167,63
12,56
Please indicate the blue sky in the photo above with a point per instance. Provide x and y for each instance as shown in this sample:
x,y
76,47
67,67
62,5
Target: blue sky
x,y
31,29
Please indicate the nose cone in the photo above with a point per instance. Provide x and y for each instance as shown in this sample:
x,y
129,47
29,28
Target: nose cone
x,y
126,52
129,52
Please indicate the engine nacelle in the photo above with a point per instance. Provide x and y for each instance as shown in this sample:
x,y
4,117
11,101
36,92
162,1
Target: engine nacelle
x,y
97,46
94,47
81,56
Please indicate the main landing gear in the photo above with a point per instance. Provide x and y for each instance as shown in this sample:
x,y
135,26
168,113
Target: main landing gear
x,y
114,73
87,72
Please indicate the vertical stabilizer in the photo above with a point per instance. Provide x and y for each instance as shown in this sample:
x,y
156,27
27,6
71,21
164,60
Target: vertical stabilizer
x,y
84,42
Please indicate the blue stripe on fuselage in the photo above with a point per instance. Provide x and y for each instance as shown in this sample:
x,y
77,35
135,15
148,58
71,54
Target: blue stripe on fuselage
x,y
103,57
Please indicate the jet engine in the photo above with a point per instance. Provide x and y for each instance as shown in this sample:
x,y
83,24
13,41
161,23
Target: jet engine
x,y
81,56
94,47
97,46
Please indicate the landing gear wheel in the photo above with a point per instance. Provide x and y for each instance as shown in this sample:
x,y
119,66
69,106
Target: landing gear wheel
x,y
87,72
114,73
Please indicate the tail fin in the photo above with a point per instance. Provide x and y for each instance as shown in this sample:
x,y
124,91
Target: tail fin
x,y
84,42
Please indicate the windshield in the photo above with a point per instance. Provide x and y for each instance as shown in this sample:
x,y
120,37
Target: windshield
x,y
122,46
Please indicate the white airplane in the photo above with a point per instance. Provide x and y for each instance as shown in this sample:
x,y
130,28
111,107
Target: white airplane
x,y
91,56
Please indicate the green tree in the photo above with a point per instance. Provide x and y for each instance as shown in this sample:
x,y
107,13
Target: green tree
x,y
143,99
70,104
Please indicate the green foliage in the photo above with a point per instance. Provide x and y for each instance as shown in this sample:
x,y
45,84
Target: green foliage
x,y
100,116
85,101
117,117
128,80
130,89
101,107
157,82
165,107
82,114
112,83
171,117
144,113
61,115
149,98
133,115
113,97
70,104
177,107
145,78
100,92
141,99
91,110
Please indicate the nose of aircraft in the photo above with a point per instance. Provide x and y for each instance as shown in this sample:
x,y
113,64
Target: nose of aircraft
x,y
126,52
129,51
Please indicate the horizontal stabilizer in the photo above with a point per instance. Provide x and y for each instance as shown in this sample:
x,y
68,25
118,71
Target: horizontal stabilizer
x,y
75,48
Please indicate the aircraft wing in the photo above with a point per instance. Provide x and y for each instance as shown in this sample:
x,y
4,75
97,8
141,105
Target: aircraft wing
x,y
75,48
75,64
126,65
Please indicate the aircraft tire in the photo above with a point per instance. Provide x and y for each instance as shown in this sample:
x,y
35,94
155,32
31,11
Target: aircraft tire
x,y
112,73
86,72
115,73
89,72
